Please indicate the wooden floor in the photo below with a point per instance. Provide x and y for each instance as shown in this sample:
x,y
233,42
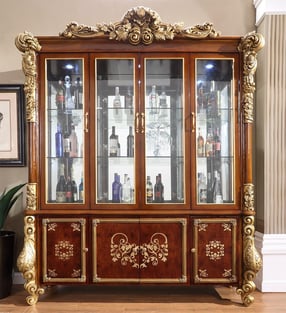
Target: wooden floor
x,y
149,299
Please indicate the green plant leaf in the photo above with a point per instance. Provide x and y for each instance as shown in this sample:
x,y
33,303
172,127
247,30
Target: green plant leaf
x,y
7,200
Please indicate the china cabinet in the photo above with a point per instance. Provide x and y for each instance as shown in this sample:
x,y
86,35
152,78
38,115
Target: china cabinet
x,y
140,159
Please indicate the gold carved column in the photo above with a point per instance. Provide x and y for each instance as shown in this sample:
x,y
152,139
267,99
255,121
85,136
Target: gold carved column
x,y
26,262
249,46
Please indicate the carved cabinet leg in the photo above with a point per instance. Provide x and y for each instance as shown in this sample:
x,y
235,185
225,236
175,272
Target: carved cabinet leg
x,y
27,260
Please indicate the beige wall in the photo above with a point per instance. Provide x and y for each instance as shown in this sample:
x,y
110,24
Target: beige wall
x,y
230,17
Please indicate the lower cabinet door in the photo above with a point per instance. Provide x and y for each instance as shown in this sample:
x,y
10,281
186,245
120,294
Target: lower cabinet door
x,y
64,250
215,250
140,250
163,250
115,247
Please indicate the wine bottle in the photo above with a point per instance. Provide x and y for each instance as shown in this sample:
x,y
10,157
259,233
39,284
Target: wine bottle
x,y
60,96
209,146
153,100
113,143
60,189
74,191
73,143
80,190
68,190
149,190
59,142
163,104
78,94
217,189
69,102
200,145
126,190
159,189
116,189
202,189
117,101
129,100
130,143
66,144
217,144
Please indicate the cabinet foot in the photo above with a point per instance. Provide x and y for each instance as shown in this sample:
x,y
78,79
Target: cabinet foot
x,y
26,261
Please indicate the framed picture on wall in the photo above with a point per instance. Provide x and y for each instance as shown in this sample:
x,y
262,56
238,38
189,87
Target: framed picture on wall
x,y
12,126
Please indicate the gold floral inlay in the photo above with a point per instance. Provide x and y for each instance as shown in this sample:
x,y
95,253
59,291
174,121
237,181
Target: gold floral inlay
x,y
215,250
64,250
125,252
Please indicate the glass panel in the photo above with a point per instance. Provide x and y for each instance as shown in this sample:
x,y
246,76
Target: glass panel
x,y
115,131
164,125
64,129
215,131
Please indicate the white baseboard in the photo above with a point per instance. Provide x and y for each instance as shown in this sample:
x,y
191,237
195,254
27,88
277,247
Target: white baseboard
x,y
272,276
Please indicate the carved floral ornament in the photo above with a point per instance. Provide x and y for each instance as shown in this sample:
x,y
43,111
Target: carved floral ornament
x,y
139,25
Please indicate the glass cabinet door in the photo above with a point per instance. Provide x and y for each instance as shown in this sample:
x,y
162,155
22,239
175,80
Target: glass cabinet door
x,y
115,140
64,148
164,131
215,131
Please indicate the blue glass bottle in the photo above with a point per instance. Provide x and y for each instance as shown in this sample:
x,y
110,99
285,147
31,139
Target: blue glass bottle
x,y
59,142
116,189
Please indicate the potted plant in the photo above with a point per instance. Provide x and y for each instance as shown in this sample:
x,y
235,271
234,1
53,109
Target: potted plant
x,y
7,239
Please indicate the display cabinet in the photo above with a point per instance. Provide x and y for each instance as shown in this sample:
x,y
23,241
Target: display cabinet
x,y
140,158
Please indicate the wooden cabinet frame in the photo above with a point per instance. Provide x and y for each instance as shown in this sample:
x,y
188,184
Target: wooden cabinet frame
x,y
140,29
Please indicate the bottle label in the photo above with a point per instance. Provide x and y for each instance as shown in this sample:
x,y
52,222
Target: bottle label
x,y
60,196
113,146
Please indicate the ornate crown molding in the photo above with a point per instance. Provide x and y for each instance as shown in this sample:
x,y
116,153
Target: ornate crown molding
x,y
139,25
249,46
29,45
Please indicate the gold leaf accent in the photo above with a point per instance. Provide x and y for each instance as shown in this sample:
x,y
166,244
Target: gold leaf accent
x,y
139,25
26,261
248,197
249,46
64,250
31,198
252,261
28,44
153,252
215,250
203,273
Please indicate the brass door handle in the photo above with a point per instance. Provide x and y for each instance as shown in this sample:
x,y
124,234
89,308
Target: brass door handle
x,y
86,122
142,123
137,123
193,122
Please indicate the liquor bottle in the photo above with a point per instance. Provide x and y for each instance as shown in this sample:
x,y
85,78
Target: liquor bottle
x,y
153,100
130,143
78,93
212,100
117,101
69,102
80,191
113,143
126,195
200,100
60,96
209,188
59,142
68,190
200,145
129,100
209,146
202,189
73,143
163,105
61,188
149,190
217,144
66,144
159,189
217,194
116,189
74,191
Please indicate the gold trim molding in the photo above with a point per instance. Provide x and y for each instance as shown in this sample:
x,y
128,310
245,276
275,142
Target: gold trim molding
x,y
250,44
26,261
139,25
29,45
31,197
